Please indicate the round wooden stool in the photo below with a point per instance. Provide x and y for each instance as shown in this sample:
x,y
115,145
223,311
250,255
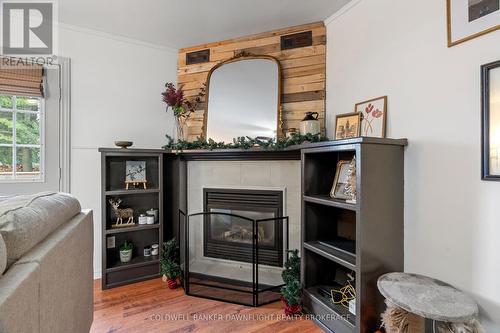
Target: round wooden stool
x,y
448,307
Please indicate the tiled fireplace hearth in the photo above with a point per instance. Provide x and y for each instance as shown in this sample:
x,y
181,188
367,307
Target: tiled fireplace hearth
x,y
255,189
242,217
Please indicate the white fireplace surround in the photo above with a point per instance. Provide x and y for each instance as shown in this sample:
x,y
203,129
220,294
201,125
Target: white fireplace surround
x,y
253,175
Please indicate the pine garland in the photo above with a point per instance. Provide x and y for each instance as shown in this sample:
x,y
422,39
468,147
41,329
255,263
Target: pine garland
x,y
243,142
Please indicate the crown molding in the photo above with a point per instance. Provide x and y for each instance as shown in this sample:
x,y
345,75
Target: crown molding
x,y
347,7
102,34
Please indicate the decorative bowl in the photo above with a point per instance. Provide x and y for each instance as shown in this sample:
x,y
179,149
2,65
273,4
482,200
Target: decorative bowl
x,y
124,144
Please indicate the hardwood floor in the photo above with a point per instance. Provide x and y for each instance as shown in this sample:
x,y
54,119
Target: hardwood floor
x,y
151,307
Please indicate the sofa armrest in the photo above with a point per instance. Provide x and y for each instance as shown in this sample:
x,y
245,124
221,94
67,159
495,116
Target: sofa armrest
x,y
66,276
19,299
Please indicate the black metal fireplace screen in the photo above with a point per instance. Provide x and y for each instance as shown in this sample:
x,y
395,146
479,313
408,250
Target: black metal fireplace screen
x,y
244,280
231,238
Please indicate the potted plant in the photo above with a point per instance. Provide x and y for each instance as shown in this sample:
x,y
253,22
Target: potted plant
x,y
291,291
169,264
126,252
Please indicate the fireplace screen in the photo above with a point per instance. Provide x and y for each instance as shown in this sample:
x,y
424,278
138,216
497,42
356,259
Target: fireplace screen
x,y
234,271
226,236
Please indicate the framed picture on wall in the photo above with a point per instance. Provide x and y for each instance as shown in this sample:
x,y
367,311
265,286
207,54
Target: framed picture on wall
x,y
490,102
347,125
468,19
373,116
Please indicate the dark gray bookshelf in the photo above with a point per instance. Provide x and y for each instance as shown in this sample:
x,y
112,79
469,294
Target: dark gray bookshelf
x,y
364,239
114,272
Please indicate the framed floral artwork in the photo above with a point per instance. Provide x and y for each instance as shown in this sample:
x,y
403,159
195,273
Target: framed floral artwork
x,y
468,19
347,125
135,171
373,116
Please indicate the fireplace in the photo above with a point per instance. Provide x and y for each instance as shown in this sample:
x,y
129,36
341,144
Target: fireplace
x,y
226,236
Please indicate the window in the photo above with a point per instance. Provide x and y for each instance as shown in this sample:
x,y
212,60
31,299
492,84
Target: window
x,y
21,138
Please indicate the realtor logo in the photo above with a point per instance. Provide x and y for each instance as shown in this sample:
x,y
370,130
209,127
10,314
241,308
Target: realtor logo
x,y
27,27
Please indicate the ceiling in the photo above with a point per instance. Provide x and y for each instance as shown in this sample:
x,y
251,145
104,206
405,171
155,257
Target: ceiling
x,y
183,23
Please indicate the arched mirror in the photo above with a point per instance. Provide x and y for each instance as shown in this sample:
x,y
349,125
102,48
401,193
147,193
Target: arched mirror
x,y
244,99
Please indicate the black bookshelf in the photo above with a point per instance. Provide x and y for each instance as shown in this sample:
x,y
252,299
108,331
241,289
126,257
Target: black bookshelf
x,y
364,239
113,161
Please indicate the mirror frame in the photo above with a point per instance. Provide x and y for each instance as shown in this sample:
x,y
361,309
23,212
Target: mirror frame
x,y
485,119
242,57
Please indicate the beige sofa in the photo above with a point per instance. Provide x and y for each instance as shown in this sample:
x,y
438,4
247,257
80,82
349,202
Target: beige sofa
x,y
46,246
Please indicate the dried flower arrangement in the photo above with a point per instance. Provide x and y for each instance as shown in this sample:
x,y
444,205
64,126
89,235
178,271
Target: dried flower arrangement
x,y
181,106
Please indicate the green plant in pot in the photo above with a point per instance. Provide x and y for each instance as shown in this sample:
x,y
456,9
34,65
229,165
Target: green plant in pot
x,y
292,290
126,252
169,263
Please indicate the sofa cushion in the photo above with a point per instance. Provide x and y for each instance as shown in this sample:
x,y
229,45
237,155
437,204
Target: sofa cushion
x,y
3,255
26,220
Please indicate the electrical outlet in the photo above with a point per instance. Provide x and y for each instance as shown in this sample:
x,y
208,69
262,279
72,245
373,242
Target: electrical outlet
x,y
110,242
352,306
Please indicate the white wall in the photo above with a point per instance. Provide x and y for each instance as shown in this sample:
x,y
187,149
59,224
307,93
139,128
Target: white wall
x,y
398,48
115,94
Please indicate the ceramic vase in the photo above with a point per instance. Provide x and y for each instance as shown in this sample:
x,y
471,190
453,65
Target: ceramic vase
x,y
125,256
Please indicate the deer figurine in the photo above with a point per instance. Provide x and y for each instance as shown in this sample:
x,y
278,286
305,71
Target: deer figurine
x,y
125,213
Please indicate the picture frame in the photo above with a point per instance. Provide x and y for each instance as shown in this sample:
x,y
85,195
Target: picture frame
x,y
135,171
490,121
373,117
468,19
347,125
340,181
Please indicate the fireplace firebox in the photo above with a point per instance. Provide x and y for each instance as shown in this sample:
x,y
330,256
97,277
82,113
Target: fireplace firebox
x,y
228,237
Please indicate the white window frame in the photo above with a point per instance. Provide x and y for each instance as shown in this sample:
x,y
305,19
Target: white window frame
x,y
14,178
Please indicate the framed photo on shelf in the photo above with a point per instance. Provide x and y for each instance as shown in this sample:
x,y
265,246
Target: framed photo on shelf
x,y
347,125
490,105
341,180
135,171
373,116
468,19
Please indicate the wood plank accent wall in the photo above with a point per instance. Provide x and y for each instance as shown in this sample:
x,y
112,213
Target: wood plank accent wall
x,y
304,72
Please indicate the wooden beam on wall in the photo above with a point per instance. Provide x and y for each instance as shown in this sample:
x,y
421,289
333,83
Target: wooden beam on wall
x,y
304,71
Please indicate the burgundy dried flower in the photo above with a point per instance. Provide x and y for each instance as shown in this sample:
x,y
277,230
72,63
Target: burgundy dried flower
x,y
181,106
173,97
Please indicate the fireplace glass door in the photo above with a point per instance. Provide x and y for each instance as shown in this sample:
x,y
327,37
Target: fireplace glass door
x,y
229,237
226,228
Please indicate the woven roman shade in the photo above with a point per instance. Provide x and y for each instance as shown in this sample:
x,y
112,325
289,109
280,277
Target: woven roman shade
x,y
21,78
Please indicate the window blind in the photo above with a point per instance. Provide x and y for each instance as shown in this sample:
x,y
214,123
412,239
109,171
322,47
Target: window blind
x,y
21,78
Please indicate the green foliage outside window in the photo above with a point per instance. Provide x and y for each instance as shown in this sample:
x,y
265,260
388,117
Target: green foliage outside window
x,y
27,132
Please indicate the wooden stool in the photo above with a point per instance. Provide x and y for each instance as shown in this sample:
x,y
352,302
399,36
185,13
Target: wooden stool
x,y
408,295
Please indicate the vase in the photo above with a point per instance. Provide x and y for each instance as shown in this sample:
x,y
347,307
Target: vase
x,y
125,256
172,283
310,124
181,128
291,310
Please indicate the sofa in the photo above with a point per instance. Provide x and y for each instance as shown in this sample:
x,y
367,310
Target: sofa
x,y
46,268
